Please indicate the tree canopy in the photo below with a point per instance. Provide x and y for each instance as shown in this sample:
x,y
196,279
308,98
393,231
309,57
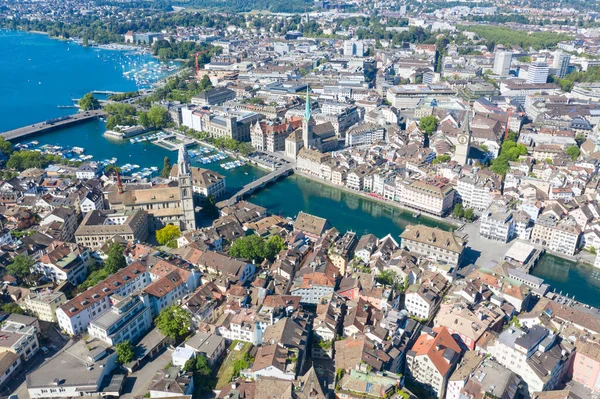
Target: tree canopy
x,y
256,248
428,124
174,322
89,102
125,353
168,235
6,146
573,152
115,259
166,170
20,266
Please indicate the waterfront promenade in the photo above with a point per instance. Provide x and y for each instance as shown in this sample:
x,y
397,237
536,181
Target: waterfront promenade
x,y
51,124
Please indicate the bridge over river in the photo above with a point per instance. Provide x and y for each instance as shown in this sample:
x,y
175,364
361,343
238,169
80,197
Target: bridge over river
x,y
51,124
256,185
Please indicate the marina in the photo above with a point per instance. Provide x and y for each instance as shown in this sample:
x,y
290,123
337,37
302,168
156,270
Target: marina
x,y
232,165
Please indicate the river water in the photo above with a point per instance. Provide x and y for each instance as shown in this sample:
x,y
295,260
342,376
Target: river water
x,y
42,73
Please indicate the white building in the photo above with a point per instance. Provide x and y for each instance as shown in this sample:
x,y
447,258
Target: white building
x,y
64,262
354,48
128,320
502,60
474,192
44,303
364,134
537,73
19,335
497,223
561,63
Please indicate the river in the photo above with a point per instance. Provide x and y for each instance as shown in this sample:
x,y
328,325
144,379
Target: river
x,y
42,73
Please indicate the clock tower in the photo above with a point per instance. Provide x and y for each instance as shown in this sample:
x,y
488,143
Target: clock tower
x,y
461,153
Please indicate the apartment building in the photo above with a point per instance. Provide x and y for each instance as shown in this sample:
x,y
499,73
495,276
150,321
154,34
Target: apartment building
x,y
270,136
475,192
233,126
127,320
562,236
432,359
100,226
75,315
43,304
534,354
309,161
423,299
443,246
64,262
19,335
430,196
585,368
496,223
364,134
312,287
62,222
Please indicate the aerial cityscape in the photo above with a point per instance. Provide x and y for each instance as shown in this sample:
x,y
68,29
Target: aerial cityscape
x,y
350,199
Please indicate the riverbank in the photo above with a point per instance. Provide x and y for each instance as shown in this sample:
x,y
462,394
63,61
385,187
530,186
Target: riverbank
x,y
394,204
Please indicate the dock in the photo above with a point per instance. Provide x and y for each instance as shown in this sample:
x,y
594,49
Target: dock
x,y
51,124
256,185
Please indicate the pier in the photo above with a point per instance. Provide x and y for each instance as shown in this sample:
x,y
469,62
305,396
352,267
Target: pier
x,y
51,124
256,185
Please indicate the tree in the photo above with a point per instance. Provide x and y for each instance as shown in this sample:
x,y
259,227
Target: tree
x,y
469,214
441,159
11,307
168,235
573,152
579,139
143,119
125,352
89,102
245,148
209,207
174,322
428,124
274,245
6,146
115,260
158,117
251,247
203,365
205,83
458,211
386,277
166,170
20,266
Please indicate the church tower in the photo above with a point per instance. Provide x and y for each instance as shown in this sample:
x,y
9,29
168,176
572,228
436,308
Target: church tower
x,y
184,176
461,153
307,124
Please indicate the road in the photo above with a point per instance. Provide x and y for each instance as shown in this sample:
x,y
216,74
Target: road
x,y
136,383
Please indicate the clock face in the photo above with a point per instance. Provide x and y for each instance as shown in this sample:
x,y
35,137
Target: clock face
x,y
462,139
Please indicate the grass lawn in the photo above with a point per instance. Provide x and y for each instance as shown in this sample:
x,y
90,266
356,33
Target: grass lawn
x,y
225,373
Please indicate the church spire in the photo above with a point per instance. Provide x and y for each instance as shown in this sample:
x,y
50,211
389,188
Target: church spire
x,y
307,110
183,161
466,128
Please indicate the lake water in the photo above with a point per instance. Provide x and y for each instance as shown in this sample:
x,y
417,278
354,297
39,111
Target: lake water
x,y
39,73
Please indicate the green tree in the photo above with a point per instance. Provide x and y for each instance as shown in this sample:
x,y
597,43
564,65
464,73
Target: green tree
x,y
441,159
209,207
245,148
428,124
115,260
89,102
158,117
205,83
386,277
143,119
579,139
166,170
6,146
573,152
458,211
168,235
11,307
174,322
125,353
20,266
274,245
251,247
203,365
469,214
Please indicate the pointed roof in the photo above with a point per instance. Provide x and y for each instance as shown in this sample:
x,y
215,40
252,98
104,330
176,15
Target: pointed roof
x,y
183,161
307,110
466,127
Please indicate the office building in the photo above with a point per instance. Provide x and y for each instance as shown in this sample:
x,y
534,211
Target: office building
x,y
537,73
502,61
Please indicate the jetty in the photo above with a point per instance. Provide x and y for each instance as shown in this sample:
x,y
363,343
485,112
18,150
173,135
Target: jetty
x,y
257,185
51,124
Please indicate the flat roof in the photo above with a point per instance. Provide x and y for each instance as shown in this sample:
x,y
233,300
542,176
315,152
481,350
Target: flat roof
x,y
520,251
